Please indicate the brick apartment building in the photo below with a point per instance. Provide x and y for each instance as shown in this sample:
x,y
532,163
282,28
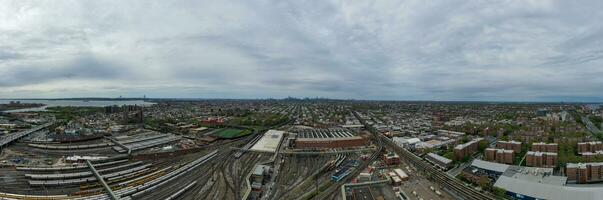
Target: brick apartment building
x,y
541,159
544,147
584,172
499,155
466,149
509,145
584,147
591,156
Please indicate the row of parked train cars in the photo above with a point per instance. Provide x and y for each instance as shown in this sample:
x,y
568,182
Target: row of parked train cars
x,y
127,179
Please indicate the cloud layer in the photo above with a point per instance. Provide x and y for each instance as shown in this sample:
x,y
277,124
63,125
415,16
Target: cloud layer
x,y
529,50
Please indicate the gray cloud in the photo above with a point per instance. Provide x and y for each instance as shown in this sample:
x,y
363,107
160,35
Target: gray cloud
x,y
449,50
83,68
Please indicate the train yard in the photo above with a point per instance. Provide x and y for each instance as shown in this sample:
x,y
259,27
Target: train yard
x,y
134,165
308,156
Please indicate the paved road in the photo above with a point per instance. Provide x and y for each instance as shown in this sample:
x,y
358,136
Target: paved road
x,y
12,137
456,171
363,193
590,126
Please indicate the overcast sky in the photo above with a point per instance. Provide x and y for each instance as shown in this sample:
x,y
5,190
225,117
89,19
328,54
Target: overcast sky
x,y
407,50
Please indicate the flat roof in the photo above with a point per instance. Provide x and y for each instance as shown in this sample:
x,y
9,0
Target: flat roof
x,y
407,140
325,133
439,158
539,153
269,142
259,169
510,142
328,139
535,174
497,167
461,146
547,191
451,132
582,165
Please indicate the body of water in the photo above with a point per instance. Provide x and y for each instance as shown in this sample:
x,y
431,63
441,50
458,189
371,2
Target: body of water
x,y
76,103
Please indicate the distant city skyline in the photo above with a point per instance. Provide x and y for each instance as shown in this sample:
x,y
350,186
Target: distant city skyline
x,y
549,51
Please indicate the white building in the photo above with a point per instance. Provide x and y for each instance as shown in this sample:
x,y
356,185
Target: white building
x,y
406,142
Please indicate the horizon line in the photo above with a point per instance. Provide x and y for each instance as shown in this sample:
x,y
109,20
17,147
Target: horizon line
x,y
301,98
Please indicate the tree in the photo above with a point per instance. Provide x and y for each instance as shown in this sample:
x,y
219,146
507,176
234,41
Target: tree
x,y
499,191
483,182
482,145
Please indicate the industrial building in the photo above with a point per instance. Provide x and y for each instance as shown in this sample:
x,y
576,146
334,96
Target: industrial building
x,y
401,174
391,158
269,142
529,183
440,161
406,142
258,175
329,138
491,169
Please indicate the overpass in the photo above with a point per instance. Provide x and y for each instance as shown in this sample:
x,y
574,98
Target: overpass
x,y
11,138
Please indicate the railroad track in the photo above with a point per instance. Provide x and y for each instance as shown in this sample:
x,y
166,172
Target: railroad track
x,y
227,183
331,190
457,186
202,174
440,177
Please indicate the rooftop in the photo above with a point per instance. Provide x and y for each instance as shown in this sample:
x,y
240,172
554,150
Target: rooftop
x,y
269,142
439,158
546,187
497,167
325,133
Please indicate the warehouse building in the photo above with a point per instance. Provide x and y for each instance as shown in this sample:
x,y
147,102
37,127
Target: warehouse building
x,y
269,142
329,138
440,161
406,142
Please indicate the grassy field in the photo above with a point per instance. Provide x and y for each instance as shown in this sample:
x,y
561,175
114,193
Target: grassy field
x,y
231,133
